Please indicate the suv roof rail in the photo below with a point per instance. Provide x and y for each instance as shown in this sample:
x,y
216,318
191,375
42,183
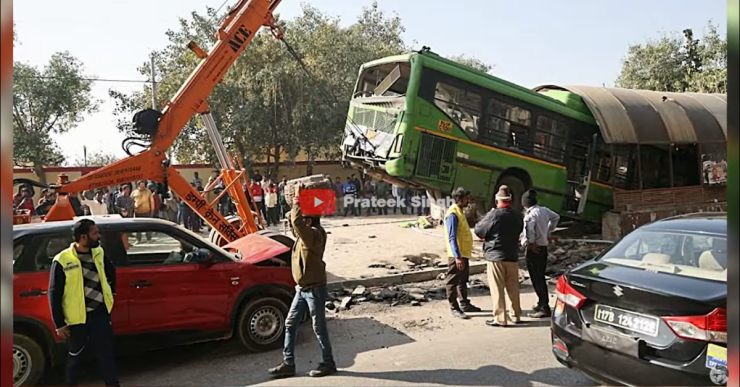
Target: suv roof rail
x,y
696,215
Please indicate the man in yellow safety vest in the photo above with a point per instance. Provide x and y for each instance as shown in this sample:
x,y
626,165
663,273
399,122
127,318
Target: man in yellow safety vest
x,y
81,290
459,250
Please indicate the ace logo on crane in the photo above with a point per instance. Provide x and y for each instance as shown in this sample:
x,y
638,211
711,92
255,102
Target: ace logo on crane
x,y
241,36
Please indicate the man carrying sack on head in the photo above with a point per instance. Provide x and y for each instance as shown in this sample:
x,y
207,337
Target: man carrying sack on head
x,y
500,229
309,273
459,250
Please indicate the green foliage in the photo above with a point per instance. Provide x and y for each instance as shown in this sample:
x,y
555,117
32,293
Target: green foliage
x,y
46,102
267,108
473,62
678,63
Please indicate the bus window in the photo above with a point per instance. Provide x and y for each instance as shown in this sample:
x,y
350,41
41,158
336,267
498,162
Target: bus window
x,y
549,141
685,159
602,170
504,122
462,106
626,174
388,79
655,162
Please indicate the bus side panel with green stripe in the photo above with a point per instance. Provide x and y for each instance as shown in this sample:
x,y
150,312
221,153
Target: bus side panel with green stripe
x,y
432,149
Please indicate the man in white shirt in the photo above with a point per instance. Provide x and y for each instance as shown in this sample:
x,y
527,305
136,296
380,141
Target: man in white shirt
x,y
539,222
97,205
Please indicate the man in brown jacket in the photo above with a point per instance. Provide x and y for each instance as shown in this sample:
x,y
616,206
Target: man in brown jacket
x,y
309,273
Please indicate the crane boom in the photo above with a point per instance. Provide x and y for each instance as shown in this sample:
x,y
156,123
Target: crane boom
x,y
232,37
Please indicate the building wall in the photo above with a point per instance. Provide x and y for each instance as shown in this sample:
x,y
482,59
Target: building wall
x,y
633,209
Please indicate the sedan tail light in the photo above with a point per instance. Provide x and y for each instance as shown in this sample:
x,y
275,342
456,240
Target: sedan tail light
x,y
709,327
567,294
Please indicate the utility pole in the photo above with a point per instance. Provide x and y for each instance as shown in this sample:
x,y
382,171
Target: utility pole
x,y
84,155
154,84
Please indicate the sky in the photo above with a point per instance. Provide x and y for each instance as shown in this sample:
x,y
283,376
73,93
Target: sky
x,y
529,42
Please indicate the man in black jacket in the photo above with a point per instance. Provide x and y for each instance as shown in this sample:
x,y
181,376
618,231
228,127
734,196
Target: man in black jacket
x,y
500,229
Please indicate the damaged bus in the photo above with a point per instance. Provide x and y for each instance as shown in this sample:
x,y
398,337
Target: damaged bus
x,y
423,121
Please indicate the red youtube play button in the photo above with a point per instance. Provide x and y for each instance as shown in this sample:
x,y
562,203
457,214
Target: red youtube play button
x,y
317,201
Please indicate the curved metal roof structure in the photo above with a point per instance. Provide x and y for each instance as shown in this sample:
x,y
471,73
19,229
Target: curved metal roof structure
x,y
627,116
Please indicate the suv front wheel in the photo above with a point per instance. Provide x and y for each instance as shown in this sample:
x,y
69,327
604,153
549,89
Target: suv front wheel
x,y
261,324
29,361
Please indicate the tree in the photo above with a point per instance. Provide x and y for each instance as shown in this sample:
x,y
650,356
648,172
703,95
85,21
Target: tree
x,y
97,159
473,62
678,63
45,102
267,106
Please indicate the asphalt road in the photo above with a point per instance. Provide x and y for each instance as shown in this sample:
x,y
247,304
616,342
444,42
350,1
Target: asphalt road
x,y
376,344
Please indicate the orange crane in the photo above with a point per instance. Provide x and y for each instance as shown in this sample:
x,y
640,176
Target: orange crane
x,y
233,35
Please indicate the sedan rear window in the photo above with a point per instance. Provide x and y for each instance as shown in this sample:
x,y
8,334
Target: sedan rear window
x,y
691,255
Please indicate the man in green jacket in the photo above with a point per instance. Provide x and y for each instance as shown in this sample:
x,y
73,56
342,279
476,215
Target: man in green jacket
x,y
309,273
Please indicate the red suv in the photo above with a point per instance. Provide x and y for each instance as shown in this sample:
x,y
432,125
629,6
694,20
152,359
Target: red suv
x,y
173,287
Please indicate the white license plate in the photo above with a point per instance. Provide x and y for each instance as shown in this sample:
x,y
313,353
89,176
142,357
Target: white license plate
x,y
625,319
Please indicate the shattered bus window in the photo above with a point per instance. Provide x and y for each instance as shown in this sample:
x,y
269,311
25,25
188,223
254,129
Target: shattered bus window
x,y
389,80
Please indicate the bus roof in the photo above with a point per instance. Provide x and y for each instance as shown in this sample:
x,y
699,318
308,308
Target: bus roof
x,y
488,81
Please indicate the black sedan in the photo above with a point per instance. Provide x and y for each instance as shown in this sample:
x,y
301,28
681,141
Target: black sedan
x,y
650,310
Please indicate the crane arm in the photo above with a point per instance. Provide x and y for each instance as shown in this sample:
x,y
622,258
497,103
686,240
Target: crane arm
x,y
235,33
232,37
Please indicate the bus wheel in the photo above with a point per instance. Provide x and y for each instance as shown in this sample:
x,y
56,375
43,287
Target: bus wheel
x,y
516,187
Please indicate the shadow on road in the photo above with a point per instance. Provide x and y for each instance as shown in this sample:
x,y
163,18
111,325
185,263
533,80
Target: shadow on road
x,y
227,363
484,376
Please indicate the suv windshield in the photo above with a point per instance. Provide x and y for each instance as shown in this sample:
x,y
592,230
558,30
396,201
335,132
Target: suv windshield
x,y
684,254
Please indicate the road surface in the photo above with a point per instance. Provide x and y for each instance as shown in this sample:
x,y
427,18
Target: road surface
x,y
376,344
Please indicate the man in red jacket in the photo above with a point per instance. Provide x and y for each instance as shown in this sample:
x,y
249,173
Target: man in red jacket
x,y
258,195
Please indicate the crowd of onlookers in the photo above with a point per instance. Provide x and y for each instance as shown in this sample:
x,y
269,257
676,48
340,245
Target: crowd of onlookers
x,y
351,192
267,195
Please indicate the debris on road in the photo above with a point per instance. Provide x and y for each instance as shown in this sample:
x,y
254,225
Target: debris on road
x,y
568,253
478,284
424,222
408,294
359,291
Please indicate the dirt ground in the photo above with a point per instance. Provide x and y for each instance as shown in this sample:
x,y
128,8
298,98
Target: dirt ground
x,y
356,243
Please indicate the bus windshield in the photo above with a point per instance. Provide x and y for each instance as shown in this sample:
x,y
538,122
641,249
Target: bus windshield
x,y
388,80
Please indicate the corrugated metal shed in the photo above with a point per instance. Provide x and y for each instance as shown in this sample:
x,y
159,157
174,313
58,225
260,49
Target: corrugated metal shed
x,y
627,116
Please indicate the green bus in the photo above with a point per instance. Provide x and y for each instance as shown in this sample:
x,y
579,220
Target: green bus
x,y
424,121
